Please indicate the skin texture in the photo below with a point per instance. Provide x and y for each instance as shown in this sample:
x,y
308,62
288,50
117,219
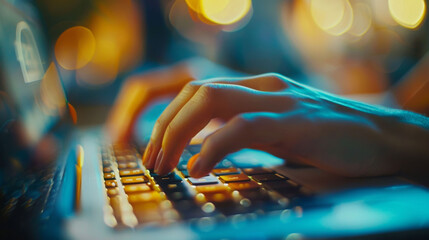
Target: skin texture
x,y
292,121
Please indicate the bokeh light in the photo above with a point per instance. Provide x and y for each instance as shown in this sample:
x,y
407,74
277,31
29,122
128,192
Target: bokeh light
x,y
362,19
194,5
346,21
408,13
382,14
52,92
189,24
117,28
75,48
225,12
327,14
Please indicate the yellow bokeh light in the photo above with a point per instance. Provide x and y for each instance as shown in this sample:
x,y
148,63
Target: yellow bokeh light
x,y
225,12
117,29
194,5
362,20
75,48
408,13
346,22
327,14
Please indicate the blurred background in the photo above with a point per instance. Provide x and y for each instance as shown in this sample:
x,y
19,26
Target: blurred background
x,y
342,46
377,48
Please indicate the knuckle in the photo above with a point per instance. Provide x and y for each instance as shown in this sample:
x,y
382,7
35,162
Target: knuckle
x,y
277,80
170,131
191,86
159,123
208,91
243,121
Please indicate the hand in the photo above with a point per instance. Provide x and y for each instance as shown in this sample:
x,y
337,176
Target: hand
x,y
136,94
289,120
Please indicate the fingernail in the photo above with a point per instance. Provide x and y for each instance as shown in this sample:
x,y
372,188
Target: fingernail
x,y
147,153
159,159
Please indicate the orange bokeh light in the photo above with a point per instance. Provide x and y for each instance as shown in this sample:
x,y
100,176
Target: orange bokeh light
x,y
75,48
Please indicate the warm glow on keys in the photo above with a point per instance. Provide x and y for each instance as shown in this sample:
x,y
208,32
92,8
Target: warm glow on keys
x,y
408,13
75,48
225,12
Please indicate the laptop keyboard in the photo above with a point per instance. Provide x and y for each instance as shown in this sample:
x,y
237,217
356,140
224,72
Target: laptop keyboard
x,y
138,197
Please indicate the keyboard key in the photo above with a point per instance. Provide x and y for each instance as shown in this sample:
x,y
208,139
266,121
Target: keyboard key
x,y
169,178
176,191
147,212
225,171
122,165
188,209
126,158
131,172
178,195
151,196
133,180
283,185
130,158
173,187
136,188
220,197
107,169
120,159
110,183
256,195
109,176
269,177
215,188
186,173
106,163
231,209
256,171
243,185
127,165
132,165
203,180
234,178
112,192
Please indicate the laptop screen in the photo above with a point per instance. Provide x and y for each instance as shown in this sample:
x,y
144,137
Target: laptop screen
x,y
31,91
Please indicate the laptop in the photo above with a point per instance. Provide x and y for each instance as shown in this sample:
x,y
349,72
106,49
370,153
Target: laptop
x,y
62,181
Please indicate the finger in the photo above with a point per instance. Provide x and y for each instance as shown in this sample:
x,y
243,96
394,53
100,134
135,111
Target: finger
x,y
134,97
265,82
243,131
213,101
129,102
